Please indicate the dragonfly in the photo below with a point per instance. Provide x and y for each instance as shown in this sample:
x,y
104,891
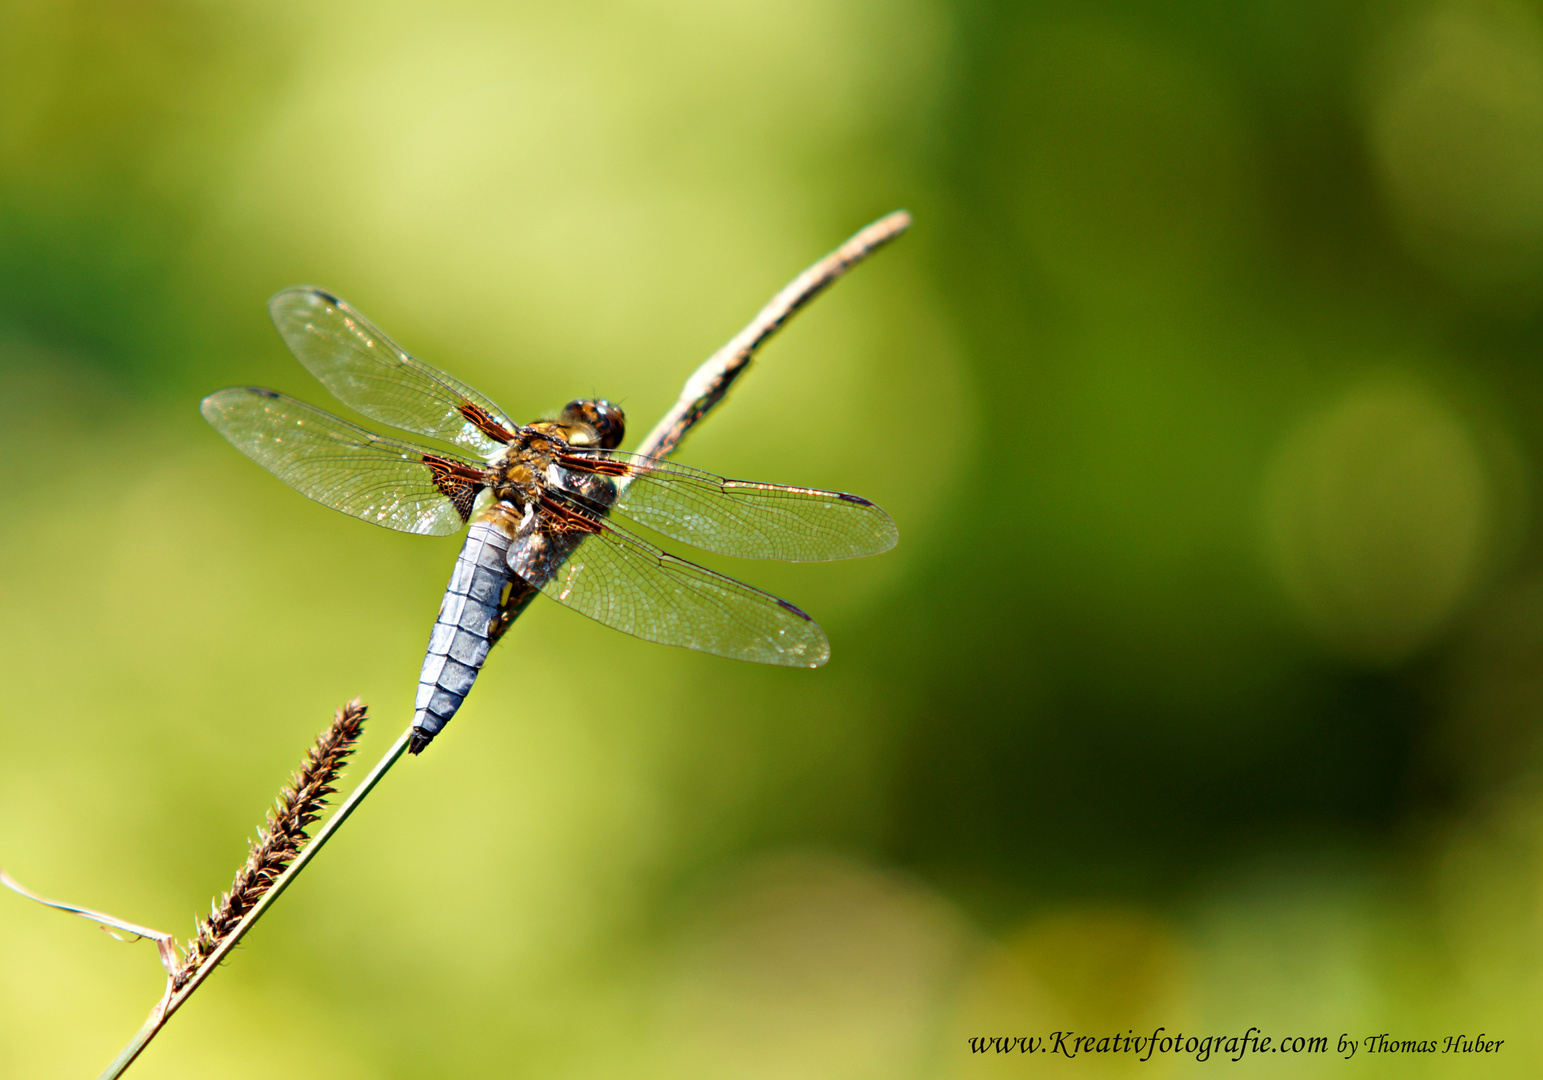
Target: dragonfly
x,y
542,502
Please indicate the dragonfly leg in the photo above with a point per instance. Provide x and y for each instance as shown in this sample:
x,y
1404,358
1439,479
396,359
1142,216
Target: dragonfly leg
x,y
517,597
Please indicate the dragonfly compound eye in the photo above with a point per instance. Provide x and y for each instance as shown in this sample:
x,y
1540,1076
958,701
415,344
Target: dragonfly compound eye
x,y
609,423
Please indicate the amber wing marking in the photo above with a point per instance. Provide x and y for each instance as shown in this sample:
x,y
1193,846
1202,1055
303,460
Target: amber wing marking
x,y
563,517
483,421
389,483
457,481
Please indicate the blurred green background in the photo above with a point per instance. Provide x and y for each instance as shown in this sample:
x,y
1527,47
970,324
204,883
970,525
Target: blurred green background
x,y
1204,689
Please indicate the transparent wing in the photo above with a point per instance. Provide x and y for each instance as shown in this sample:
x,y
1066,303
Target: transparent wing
x,y
366,371
734,517
389,483
615,578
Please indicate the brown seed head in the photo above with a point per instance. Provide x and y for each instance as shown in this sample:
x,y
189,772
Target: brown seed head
x,y
298,805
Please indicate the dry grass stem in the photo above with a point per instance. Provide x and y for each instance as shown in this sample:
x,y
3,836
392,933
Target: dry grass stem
x,y
710,382
298,805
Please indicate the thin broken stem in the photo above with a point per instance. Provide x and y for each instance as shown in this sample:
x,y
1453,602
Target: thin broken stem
x,y
165,943
703,391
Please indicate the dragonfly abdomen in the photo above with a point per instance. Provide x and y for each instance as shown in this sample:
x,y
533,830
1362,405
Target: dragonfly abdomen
x,y
461,637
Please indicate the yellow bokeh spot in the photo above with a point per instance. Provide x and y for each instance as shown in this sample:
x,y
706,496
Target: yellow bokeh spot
x,y
1379,513
1456,126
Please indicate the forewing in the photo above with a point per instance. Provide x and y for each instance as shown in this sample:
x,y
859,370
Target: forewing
x,y
735,517
615,578
366,371
383,481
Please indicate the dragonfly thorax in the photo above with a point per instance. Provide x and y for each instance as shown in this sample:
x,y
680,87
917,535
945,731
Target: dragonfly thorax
x,y
527,465
520,473
523,469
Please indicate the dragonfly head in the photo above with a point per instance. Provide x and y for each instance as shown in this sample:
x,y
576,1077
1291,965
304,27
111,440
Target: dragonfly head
x,y
605,423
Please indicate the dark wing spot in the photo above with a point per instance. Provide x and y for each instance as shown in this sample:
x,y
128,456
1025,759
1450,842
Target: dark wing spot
x,y
858,499
796,611
262,392
325,295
